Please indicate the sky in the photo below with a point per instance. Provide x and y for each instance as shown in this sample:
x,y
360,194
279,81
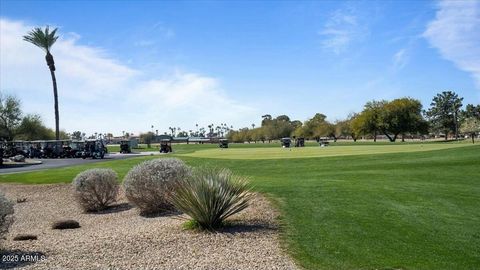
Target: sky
x,y
128,65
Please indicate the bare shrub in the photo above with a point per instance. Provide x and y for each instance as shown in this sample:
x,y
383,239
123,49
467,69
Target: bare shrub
x,y
6,215
150,184
96,189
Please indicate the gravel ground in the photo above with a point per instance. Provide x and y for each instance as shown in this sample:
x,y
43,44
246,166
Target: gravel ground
x,y
121,239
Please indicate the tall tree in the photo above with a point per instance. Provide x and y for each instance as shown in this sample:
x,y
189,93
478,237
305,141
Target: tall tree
x,y
355,126
32,128
371,112
44,39
314,128
400,116
471,126
471,111
10,115
343,128
78,135
368,121
266,119
147,138
444,112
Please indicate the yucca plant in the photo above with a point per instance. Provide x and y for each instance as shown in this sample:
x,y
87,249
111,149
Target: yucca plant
x,y
209,196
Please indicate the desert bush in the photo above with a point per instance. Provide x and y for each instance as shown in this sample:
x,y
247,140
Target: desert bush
x,y
149,185
6,215
211,195
65,224
96,189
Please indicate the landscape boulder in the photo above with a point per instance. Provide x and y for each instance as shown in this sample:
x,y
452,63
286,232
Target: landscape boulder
x,y
18,158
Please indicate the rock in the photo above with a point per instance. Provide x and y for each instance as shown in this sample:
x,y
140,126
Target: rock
x,y
65,224
18,158
25,237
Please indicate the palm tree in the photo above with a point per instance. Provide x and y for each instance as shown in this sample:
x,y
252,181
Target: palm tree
x,y
44,39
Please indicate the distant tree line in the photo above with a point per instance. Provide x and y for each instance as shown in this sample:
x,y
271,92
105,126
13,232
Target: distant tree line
x,y
402,117
14,125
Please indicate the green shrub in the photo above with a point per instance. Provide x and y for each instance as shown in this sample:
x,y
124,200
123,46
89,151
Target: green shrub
x,y
150,184
210,196
96,189
6,215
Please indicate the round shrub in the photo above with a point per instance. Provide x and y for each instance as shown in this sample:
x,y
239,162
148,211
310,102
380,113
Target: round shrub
x,y
150,184
96,189
6,215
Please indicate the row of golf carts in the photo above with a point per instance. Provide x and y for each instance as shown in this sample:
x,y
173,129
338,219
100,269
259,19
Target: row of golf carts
x,y
54,149
126,146
165,145
300,142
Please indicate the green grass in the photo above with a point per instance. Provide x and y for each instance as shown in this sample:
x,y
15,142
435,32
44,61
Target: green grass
x,y
398,210
316,151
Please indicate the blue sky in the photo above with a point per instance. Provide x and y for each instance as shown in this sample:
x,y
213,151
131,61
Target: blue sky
x,y
127,65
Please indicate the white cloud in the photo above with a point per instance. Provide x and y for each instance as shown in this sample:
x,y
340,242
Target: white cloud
x,y
99,93
341,29
163,30
400,59
455,32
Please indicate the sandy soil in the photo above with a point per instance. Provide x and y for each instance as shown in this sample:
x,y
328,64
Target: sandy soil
x,y
121,239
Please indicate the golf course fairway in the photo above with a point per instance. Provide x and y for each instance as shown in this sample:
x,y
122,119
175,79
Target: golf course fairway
x,y
316,151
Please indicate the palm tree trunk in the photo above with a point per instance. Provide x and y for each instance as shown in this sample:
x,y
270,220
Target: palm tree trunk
x,y
55,96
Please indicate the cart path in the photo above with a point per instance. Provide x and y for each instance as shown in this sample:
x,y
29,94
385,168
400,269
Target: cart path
x,y
66,162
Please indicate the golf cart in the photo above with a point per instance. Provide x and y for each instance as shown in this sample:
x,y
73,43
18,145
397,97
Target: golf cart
x,y
35,149
76,149
125,147
71,149
286,142
165,146
15,148
53,149
323,142
93,149
300,142
223,143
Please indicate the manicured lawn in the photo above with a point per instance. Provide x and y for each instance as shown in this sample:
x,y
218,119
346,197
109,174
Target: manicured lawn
x,y
236,152
397,210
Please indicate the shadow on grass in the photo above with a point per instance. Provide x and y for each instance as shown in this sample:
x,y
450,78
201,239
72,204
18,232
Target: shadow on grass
x,y
14,259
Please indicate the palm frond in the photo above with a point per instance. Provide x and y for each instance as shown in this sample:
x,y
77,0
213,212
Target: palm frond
x,y
43,39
